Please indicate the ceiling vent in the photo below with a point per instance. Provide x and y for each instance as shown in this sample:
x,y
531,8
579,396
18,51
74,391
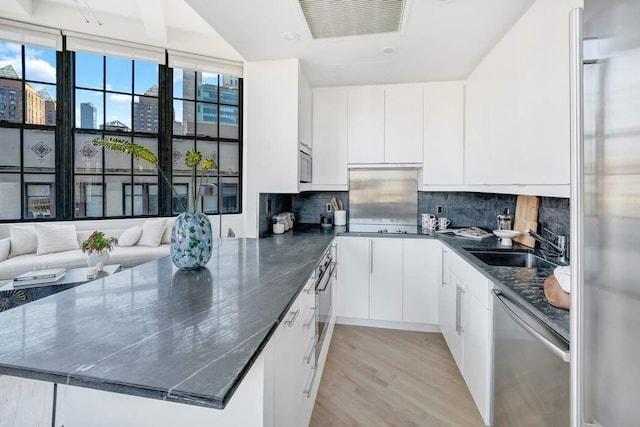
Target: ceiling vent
x,y
342,18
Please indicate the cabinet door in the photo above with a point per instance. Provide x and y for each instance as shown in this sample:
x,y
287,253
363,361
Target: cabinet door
x,y
421,277
25,402
403,117
366,124
443,133
304,111
353,277
330,137
448,310
287,355
385,286
478,338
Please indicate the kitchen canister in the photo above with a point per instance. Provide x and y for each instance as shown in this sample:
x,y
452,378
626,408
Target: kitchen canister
x,y
340,218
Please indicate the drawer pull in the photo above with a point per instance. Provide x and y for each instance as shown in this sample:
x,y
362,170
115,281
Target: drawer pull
x,y
311,320
309,386
294,315
311,352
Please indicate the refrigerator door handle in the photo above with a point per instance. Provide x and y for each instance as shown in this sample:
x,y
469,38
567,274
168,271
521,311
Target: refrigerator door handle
x,y
562,351
577,211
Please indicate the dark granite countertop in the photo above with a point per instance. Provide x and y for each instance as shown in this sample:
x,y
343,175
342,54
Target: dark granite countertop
x,y
524,285
156,332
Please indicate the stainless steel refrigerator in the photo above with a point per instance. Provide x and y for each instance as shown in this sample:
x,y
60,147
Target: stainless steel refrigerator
x,y
605,247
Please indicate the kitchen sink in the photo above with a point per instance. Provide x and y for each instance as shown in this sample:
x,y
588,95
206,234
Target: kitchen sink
x,y
512,259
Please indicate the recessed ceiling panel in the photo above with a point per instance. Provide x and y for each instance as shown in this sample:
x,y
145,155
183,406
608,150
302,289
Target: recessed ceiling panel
x,y
343,18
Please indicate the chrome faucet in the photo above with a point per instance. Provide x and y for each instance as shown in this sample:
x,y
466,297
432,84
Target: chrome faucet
x,y
560,247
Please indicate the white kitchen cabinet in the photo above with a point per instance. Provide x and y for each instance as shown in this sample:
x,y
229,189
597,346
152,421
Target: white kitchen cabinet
x,y
271,109
385,283
403,123
353,277
330,139
449,301
366,124
421,275
304,111
443,145
287,356
25,402
466,322
517,113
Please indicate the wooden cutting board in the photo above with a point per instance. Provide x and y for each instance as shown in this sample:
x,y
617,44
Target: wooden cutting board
x,y
526,217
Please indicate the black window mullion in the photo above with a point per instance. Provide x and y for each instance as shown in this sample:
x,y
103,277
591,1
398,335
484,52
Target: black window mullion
x,y
65,102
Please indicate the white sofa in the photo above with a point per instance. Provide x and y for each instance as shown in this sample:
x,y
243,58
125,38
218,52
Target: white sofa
x,y
129,256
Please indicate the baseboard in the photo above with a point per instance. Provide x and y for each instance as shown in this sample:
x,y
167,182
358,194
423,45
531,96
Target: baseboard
x,y
386,324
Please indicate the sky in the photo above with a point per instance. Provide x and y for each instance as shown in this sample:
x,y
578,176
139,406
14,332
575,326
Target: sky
x,y
40,65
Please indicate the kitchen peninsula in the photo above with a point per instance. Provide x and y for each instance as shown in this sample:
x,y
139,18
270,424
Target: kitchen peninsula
x,y
198,338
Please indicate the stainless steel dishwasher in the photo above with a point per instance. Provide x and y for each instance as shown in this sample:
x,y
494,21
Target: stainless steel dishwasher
x,y
531,372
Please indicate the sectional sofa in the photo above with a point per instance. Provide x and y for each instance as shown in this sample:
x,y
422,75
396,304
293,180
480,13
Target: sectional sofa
x,y
42,245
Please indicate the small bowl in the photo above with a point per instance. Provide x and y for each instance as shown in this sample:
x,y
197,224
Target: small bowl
x,y
505,236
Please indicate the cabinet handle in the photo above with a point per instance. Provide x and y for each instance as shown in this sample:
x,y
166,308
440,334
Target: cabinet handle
x,y
371,256
309,386
443,281
459,292
312,319
311,352
292,320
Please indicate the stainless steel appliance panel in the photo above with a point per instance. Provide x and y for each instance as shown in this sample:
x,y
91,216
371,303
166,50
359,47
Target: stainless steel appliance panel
x,y
325,272
387,197
305,165
531,371
610,306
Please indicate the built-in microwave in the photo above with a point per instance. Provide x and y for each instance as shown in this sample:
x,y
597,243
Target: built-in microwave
x,y
305,167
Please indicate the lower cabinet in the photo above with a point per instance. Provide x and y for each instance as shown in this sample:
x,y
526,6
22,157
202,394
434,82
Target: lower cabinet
x,y
385,279
388,279
25,402
295,369
465,318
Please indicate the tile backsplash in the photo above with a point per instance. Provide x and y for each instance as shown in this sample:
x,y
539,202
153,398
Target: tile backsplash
x,y
309,205
481,209
462,208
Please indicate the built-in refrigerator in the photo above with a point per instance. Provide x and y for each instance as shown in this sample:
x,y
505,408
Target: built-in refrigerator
x,y
605,246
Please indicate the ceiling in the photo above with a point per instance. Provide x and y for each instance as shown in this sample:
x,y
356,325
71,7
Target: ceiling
x,y
438,40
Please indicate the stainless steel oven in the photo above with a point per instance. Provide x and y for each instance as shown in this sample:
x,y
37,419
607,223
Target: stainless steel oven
x,y
324,294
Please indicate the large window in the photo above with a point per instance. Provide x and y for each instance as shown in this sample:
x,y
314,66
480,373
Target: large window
x,y
28,104
114,97
49,167
206,116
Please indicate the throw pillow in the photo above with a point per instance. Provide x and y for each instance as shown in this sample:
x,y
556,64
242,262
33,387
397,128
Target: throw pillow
x,y
56,238
130,236
152,231
5,247
23,240
166,236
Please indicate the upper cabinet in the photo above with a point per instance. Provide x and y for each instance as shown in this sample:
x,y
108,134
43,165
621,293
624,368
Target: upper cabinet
x,y
304,112
403,124
517,103
443,141
385,124
330,139
274,124
366,124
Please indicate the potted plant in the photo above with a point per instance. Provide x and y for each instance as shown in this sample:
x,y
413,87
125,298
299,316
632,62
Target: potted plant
x,y
98,246
191,236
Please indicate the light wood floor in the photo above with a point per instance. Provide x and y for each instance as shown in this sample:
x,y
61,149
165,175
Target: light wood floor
x,y
382,377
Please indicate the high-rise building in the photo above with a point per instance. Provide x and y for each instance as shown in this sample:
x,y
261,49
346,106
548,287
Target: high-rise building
x,y
145,111
49,107
88,114
115,125
10,95
40,107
